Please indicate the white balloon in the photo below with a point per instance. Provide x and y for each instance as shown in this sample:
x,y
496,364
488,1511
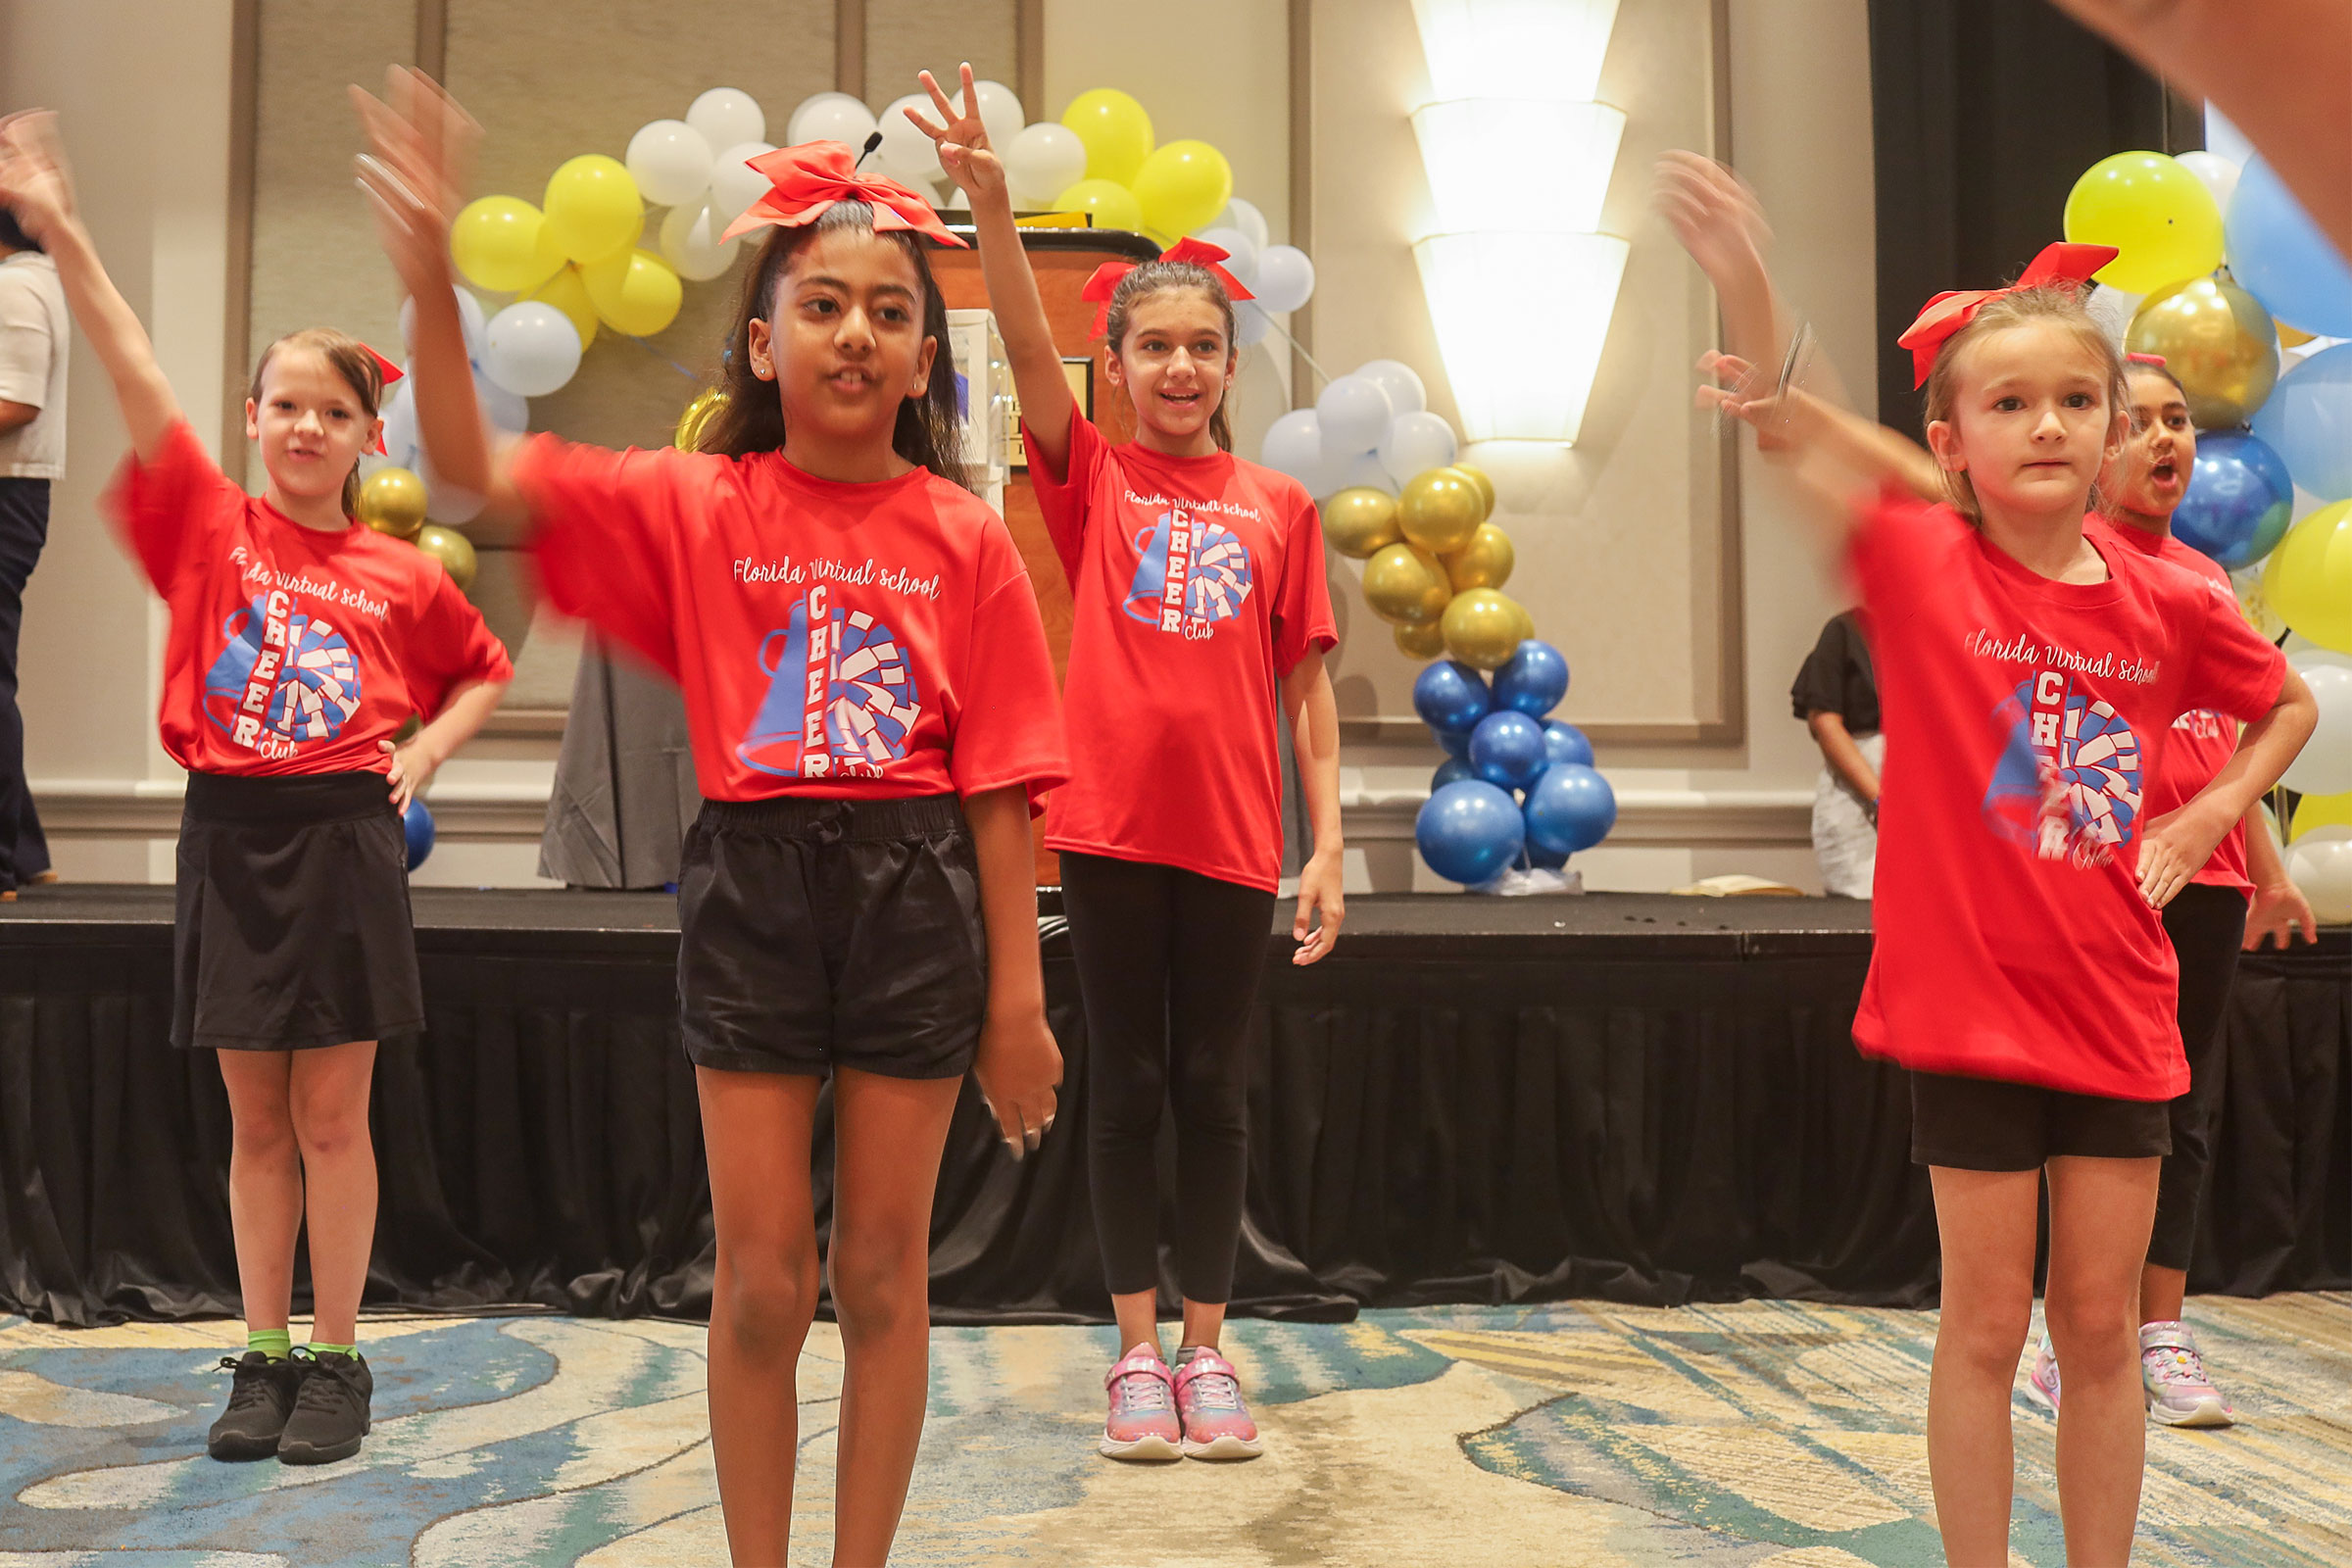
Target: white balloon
x,y
831,117
469,315
1241,257
533,348
1417,442
2302,653
1000,112
725,116
1356,414
399,411
1245,216
906,153
952,198
2113,310
1293,445
1250,323
1365,471
445,503
1041,162
503,408
734,183
2324,765
2320,863
1285,278
2219,174
1403,388
669,161
690,242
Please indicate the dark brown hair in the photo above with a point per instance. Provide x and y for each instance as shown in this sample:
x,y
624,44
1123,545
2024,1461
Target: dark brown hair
x,y
929,431
2061,302
1166,277
2134,365
352,361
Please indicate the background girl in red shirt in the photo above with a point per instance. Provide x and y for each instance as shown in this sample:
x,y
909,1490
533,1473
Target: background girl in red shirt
x,y
1201,605
301,642
2020,967
872,712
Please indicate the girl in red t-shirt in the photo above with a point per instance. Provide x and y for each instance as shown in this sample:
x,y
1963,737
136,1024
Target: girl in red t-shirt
x,y
872,712
1201,608
301,643
2030,670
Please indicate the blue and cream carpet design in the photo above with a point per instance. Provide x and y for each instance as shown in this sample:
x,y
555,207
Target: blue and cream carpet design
x,y
1764,1434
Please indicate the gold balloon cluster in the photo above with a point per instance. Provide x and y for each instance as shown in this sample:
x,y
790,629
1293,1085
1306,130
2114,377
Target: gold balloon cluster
x,y
392,502
1433,565
688,437
2217,341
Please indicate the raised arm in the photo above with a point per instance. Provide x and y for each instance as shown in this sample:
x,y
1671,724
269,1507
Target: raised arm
x,y
39,188
1047,407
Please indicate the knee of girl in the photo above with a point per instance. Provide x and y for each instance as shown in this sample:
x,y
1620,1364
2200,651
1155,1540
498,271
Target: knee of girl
x,y
1987,1343
2092,1329
330,1135
770,1300
881,1291
264,1138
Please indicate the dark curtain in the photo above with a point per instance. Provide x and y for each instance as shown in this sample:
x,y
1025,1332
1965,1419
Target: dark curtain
x,y
1984,115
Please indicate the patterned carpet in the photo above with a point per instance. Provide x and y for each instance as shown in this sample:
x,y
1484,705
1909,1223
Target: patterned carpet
x,y
1767,1433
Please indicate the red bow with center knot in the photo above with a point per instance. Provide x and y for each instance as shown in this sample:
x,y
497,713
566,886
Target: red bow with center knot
x,y
807,178
1949,311
387,373
1198,251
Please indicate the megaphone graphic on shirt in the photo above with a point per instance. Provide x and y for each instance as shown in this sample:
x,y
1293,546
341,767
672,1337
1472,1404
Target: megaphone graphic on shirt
x,y
779,730
226,682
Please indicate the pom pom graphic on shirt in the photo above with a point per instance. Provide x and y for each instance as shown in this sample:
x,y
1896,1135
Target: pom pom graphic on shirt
x,y
841,699
282,677
2068,783
1191,573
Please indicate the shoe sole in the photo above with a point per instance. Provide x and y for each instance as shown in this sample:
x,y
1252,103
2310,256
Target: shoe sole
x,y
1151,1449
2206,1413
326,1456
2041,1396
238,1450
1224,1448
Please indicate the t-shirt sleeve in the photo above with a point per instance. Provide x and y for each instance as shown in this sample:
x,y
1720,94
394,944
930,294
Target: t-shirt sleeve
x,y
451,646
605,527
168,509
1819,686
1898,551
1004,727
1303,620
2236,670
1066,497
25,341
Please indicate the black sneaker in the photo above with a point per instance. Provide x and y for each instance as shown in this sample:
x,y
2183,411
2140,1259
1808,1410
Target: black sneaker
x,y
330,1415
259,1403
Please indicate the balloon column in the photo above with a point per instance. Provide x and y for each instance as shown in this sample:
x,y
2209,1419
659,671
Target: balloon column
x,y
1518,790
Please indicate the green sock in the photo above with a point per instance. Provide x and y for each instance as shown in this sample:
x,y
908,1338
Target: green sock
x,y
335,1349
271,1343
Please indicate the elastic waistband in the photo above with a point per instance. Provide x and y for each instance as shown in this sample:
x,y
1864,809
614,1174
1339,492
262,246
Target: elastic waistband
x,y
293,798
906,817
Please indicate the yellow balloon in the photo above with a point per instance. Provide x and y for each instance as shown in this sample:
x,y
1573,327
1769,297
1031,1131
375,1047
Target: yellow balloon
x,y
1361,521
2320,810
502,243
1485,561
2159,216
1486,486
1106,202
568,292
698,412
1483,628
392,501
2255,605
2217,341
1182,186
1405,585
1527,623
1115,132
1425,641
453,549
1439,510
636,293
2309,579
593,207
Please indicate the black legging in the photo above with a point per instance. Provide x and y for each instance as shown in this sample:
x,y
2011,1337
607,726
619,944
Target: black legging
x,y
1167,966
2206,924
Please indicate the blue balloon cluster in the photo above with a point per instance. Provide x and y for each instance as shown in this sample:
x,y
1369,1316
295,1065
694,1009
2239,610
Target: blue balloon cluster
x,y
1515,788
2238,501
417,824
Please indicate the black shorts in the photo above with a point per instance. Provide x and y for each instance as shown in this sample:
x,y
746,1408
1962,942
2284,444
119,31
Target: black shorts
x,y
291,928
1985,1124
823,934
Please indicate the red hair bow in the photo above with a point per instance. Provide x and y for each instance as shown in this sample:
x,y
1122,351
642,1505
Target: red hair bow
x,y
1200,253
1947,312
388,373
807,178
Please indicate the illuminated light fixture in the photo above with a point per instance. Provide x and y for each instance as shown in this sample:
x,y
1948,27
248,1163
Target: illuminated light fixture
x,y
1521,284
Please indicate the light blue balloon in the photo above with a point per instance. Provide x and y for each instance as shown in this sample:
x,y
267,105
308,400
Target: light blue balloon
x,y
2279,254
2238,501
2308,423
1570,810
1469,832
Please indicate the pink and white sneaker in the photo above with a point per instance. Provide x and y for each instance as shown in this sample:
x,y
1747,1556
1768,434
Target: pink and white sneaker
x,y
1142,1423
2180,1391
1209,1395
2042,1384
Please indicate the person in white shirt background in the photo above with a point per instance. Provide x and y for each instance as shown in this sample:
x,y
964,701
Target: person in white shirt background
x,y
33,349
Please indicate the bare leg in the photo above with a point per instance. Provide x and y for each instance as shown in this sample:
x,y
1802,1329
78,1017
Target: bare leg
x,y
264,1182
1139,1321
1204,1321
1987,1222
2100,1214
328,1095
2162,1294
890,1133
757,1128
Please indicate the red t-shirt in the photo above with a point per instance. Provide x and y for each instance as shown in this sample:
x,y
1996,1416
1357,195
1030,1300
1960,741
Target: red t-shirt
x,y
2012,940
840,641
2201,741
292,650
1199,584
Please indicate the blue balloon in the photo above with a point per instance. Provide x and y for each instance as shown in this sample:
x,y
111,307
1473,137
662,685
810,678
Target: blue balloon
x,y
1469,832
1455,742
2279,254
2308,423
1451,696
1533,680
2239,502
1540,859
1508,748
1571,809
1565,743
1449,771
417,824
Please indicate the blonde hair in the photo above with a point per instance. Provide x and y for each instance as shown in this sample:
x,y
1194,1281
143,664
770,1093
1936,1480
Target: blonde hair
x,y
352,361
2059,303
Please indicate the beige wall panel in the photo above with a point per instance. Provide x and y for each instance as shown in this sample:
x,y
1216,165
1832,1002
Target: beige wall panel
x,y
906,36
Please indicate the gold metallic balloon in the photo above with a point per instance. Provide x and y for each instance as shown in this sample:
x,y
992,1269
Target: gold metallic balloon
x,y
2291,337
1483,628
1485,561
1405,585
1486,486
2219,343
1361,521
1426,641
453,549
392,501
708,402
1439,510
1527,623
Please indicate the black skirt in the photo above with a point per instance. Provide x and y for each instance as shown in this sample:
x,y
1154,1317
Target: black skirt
x,y
292,922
